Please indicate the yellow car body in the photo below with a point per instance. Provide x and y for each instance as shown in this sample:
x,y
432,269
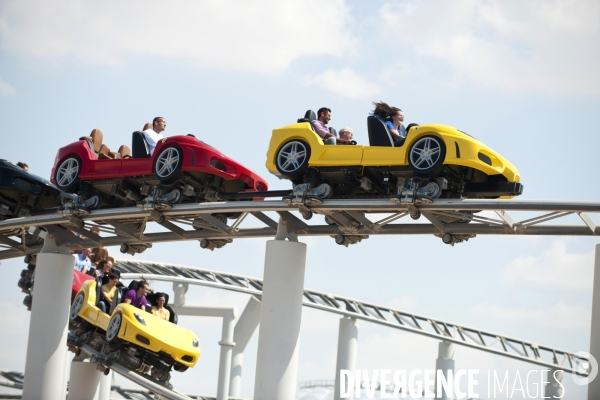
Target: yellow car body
x,y
154,334
461,150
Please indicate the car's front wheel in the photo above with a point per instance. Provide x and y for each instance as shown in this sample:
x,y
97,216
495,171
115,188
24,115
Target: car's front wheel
x,y
67,174
114,325
292,159
426,155
167,165
76,307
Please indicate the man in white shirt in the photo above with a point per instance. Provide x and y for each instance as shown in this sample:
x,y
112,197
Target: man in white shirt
x,y
82,261
153,135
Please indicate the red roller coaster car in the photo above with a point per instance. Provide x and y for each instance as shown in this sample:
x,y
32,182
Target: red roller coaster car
x,y
181,169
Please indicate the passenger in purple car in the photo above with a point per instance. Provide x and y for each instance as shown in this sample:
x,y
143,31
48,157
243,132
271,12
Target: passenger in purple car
x,y
138,298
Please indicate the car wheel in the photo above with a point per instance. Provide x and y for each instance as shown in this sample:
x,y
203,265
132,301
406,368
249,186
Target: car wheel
x,y
167,165
426,155
76,307
114,325
292,159
67,174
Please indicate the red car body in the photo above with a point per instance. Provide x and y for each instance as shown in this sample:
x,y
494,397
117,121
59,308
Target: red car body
x,y
78,279
199,162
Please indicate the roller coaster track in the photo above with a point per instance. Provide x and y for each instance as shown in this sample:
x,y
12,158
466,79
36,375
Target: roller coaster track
x,y
434,328
15,380
353,219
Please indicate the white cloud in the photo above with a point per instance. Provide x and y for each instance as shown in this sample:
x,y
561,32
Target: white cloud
x,y
560,315
554,267
261,36
346,83
542,45
6,89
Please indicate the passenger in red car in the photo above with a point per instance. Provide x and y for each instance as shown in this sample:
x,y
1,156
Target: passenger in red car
x,y
153,135
138,298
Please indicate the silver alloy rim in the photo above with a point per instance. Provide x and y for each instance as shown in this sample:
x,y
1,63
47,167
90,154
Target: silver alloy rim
x,y
76,307
425,153
67,172
113,327
291,156
167,162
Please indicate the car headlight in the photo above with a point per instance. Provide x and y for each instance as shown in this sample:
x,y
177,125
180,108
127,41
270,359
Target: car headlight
x,y
195,343
139,318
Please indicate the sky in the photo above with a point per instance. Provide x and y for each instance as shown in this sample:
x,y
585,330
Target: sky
x,y
519,76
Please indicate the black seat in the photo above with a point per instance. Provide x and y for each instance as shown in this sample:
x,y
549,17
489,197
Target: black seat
x,y
333,131
98,290
378,133
152,300
139,146
118,298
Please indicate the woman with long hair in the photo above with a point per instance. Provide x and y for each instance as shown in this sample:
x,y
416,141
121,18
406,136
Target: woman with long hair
x,y
393,118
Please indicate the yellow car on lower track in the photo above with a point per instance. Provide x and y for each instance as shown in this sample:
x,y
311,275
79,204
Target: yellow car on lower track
x,y
438,160
133,337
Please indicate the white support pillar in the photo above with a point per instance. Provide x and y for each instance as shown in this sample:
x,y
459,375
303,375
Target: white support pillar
x,y
180,289
244,329
444,362
228,314
281,313
594,386
346,352
553,389
105,386
85,380
46,345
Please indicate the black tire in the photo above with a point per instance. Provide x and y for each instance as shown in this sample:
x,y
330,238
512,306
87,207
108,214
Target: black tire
x,y
426,155
114,325
67,174
167,164
76,307
292,159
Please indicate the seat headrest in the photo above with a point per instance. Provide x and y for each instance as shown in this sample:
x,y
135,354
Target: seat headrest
x,y
124,151
97,138
147,125
310,115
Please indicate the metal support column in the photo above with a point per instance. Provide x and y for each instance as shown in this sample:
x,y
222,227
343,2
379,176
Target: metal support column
x,y
594,386
228,314
85,379
346,352
553,389
180,289
244,329
445,363
281,312
46,345
105,386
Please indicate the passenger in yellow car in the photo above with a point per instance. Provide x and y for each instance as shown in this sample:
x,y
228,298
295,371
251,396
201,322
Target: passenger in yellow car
x,y
393,118
346,134
159,309
323,118
108,293
137,298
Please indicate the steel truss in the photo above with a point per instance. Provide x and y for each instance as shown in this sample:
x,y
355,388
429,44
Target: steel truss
x,y
349,222
434,328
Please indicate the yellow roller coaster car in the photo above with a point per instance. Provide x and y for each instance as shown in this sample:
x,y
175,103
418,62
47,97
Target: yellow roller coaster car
x,y
438,160
134,338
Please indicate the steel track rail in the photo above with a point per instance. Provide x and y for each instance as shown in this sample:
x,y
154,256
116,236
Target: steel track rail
x,y
434,328
351,217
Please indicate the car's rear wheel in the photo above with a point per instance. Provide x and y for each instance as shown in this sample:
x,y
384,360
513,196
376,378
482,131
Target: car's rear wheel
x,y
76,307
167,165
67,174
292,159
114,325
426,155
